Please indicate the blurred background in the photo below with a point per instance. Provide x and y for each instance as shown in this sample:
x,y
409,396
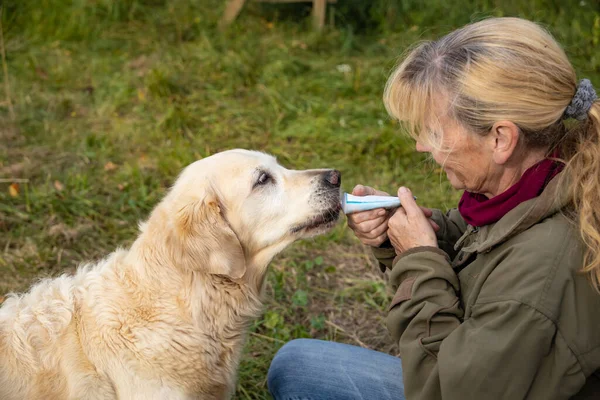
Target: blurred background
x,y
103,102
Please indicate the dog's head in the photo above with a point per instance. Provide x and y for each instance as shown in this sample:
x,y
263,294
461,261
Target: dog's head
x,y
240,208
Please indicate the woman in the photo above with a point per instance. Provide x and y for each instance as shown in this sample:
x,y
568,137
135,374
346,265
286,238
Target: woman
x,y
498,299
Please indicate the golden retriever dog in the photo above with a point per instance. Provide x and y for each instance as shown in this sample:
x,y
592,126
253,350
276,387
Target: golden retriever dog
x,y
167,318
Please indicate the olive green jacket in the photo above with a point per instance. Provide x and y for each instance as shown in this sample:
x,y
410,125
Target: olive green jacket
x,y
499,312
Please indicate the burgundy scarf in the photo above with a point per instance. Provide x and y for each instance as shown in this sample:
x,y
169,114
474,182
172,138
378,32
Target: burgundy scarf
x,y
478,210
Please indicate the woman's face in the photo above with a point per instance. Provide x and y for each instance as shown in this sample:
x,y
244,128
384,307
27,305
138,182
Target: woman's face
x,y
464,157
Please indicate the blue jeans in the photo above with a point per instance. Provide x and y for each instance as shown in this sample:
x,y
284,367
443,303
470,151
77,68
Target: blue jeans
x,y
309,369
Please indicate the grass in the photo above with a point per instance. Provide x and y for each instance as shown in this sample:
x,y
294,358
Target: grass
x,y
112,99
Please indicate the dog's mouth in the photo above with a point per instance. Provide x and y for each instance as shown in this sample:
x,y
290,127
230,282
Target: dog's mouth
x,y
325,220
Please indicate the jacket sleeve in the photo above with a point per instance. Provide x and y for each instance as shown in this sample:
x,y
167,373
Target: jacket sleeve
x,y
385,255
452,227
493,354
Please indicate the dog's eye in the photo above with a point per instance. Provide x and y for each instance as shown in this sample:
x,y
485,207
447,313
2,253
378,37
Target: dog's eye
x,y
263,178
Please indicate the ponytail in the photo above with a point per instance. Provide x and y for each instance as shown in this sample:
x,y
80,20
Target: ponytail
x,y
584,169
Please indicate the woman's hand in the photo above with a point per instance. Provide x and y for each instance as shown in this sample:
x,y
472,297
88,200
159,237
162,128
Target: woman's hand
x,y
370,227
410,225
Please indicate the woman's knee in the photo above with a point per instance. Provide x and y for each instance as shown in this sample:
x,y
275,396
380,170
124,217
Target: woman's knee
x,y
284,368
317,369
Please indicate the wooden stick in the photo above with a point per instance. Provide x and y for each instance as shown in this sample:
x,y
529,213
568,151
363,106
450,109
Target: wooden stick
x,y
15,180
5,68
291,1
232,10
270,339
319,7
351,335
234,7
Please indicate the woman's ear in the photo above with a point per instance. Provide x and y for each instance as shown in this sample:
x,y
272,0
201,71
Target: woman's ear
x,y
504,138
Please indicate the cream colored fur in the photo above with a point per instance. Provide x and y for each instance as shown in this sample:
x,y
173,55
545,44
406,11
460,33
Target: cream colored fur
x,y
166,318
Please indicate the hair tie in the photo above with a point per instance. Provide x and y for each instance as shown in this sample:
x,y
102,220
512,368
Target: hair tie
x,y
582,101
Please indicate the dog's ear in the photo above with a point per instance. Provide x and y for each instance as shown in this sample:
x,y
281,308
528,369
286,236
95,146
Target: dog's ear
x,y
206,240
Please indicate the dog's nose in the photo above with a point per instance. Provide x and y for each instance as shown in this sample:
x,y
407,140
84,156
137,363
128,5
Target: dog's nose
x,y
333,178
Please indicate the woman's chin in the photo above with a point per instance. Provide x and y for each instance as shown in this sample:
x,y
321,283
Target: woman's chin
x,y
454,181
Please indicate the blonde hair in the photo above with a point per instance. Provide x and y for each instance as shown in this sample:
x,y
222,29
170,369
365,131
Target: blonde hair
x,y
505,69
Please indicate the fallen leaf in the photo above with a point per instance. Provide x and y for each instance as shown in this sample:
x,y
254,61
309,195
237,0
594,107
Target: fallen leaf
x,y
2,299
41,73
15,169
138,63
110,166
68,232
146,163
57,229
298,43
58,186
344,68
89,89
13,189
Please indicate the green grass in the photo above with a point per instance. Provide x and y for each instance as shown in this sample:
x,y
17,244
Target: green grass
x,y
111,101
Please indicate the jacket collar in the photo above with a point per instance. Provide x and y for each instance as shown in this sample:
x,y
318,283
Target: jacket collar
x,y
553,199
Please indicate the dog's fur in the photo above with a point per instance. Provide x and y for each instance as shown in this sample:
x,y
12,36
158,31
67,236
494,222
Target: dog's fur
x,y
167,318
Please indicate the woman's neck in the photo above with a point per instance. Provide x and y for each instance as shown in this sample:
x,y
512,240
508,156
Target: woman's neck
x,y
511,173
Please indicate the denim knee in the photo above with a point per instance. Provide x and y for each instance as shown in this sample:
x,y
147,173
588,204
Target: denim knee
x,y
285,365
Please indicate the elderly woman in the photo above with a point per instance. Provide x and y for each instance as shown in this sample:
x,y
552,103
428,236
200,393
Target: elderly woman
x,y
498,299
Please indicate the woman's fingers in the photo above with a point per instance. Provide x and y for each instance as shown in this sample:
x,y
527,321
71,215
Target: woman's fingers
x,y
410,227
362,190
436,227
377,241
365,228
372,232
363,216
376,231
407,226
408,203
428,212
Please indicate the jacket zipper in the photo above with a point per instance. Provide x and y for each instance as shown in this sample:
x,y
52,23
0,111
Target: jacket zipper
x,y
470,231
